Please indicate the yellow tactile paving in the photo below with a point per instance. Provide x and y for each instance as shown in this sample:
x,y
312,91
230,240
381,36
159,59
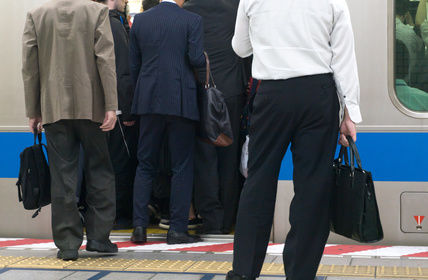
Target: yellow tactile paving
x,y
160,266
402,272
114,264
273,269
46,263
102,264
210,267
6,261
346,270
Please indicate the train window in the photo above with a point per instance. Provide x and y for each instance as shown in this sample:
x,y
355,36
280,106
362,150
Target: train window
x,y
411,54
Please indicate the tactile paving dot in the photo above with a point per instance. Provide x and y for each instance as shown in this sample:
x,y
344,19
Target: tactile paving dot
x,y
102,264
6,261
211,267
402,272
160,266
47,263
273,269
346,270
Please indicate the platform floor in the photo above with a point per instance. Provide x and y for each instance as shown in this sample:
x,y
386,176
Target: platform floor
x,y
33,259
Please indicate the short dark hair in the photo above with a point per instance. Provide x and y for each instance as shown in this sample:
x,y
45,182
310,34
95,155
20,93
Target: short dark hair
x,y
148,4
402,60
402,7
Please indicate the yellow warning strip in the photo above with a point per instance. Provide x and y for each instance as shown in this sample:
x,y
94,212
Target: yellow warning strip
x,y
113,264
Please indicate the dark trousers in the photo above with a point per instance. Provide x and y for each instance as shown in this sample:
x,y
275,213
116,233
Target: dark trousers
x,y
304,112
217,179
64,139
181,135
122,141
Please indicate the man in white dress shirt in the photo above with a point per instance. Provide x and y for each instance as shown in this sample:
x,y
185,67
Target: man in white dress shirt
x,y
304,55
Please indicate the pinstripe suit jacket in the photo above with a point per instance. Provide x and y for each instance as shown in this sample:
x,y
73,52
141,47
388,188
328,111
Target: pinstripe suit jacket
x,y
166,42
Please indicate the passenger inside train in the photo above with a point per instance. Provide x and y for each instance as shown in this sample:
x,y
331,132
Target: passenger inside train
x,y
411,51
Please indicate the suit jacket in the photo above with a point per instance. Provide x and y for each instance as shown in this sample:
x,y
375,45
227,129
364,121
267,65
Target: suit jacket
x,y
125,87
165,43
68,61
229,71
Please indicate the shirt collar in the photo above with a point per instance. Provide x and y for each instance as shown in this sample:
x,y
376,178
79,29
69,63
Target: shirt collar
x,y
170,1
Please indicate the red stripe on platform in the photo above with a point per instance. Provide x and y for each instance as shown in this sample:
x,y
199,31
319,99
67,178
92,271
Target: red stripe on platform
x,y
343,249
421,255
10,243
126,244
208,248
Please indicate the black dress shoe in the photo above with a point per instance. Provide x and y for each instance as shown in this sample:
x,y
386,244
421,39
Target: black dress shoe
x,y
101,246
139,235
233,276
174,237
67,255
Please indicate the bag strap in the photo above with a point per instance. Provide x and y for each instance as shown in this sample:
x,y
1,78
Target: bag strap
x,y
209,76
355,156
37,136
343,155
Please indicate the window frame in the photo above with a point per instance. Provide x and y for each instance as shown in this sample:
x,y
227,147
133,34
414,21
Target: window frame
x,y
391,68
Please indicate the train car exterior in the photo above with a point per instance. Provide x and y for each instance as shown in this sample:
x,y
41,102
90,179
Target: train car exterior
x,y
392,139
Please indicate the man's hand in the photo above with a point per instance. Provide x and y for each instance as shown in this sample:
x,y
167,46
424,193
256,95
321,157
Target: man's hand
x,y
35,125
347,128
131,123
109,121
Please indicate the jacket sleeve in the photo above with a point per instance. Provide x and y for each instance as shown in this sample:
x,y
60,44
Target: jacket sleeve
x,y
196,43
30,69
134,53
104,53
124,82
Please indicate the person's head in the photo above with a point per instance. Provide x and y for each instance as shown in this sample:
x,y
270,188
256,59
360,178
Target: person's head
x,y
148,4
401,7
402,60
119,5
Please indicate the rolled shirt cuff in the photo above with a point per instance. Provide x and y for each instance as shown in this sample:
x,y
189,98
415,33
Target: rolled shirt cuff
x,y
354,112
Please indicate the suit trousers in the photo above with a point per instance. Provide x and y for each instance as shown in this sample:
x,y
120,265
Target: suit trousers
x,y
218,182
303,112
181,141
122,142
64,139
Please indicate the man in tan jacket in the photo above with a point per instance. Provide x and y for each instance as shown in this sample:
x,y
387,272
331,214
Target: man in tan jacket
x,y
70,88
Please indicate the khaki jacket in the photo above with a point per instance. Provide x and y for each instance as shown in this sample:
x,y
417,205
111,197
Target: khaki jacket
x,y
69,67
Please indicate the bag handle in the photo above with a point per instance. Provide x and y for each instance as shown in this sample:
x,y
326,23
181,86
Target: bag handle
x,y
355,156
343,155
37,136
209,75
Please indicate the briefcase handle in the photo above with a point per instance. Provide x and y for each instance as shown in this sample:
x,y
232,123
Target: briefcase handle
x,y
209,75
353,151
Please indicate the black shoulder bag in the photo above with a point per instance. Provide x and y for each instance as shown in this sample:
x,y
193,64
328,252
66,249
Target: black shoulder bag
x,y
34,184
354,209
215,126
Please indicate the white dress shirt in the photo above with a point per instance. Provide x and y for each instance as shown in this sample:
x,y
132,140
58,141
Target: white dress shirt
x,y
293,38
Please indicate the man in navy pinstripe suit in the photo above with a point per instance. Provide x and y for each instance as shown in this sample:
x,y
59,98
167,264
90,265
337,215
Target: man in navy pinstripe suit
x,y
166,43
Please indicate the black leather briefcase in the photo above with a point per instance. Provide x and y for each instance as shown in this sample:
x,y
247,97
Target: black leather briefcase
x,y
354,209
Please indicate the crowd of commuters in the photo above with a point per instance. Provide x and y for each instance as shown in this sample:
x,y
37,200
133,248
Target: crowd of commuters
x,y
126,94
